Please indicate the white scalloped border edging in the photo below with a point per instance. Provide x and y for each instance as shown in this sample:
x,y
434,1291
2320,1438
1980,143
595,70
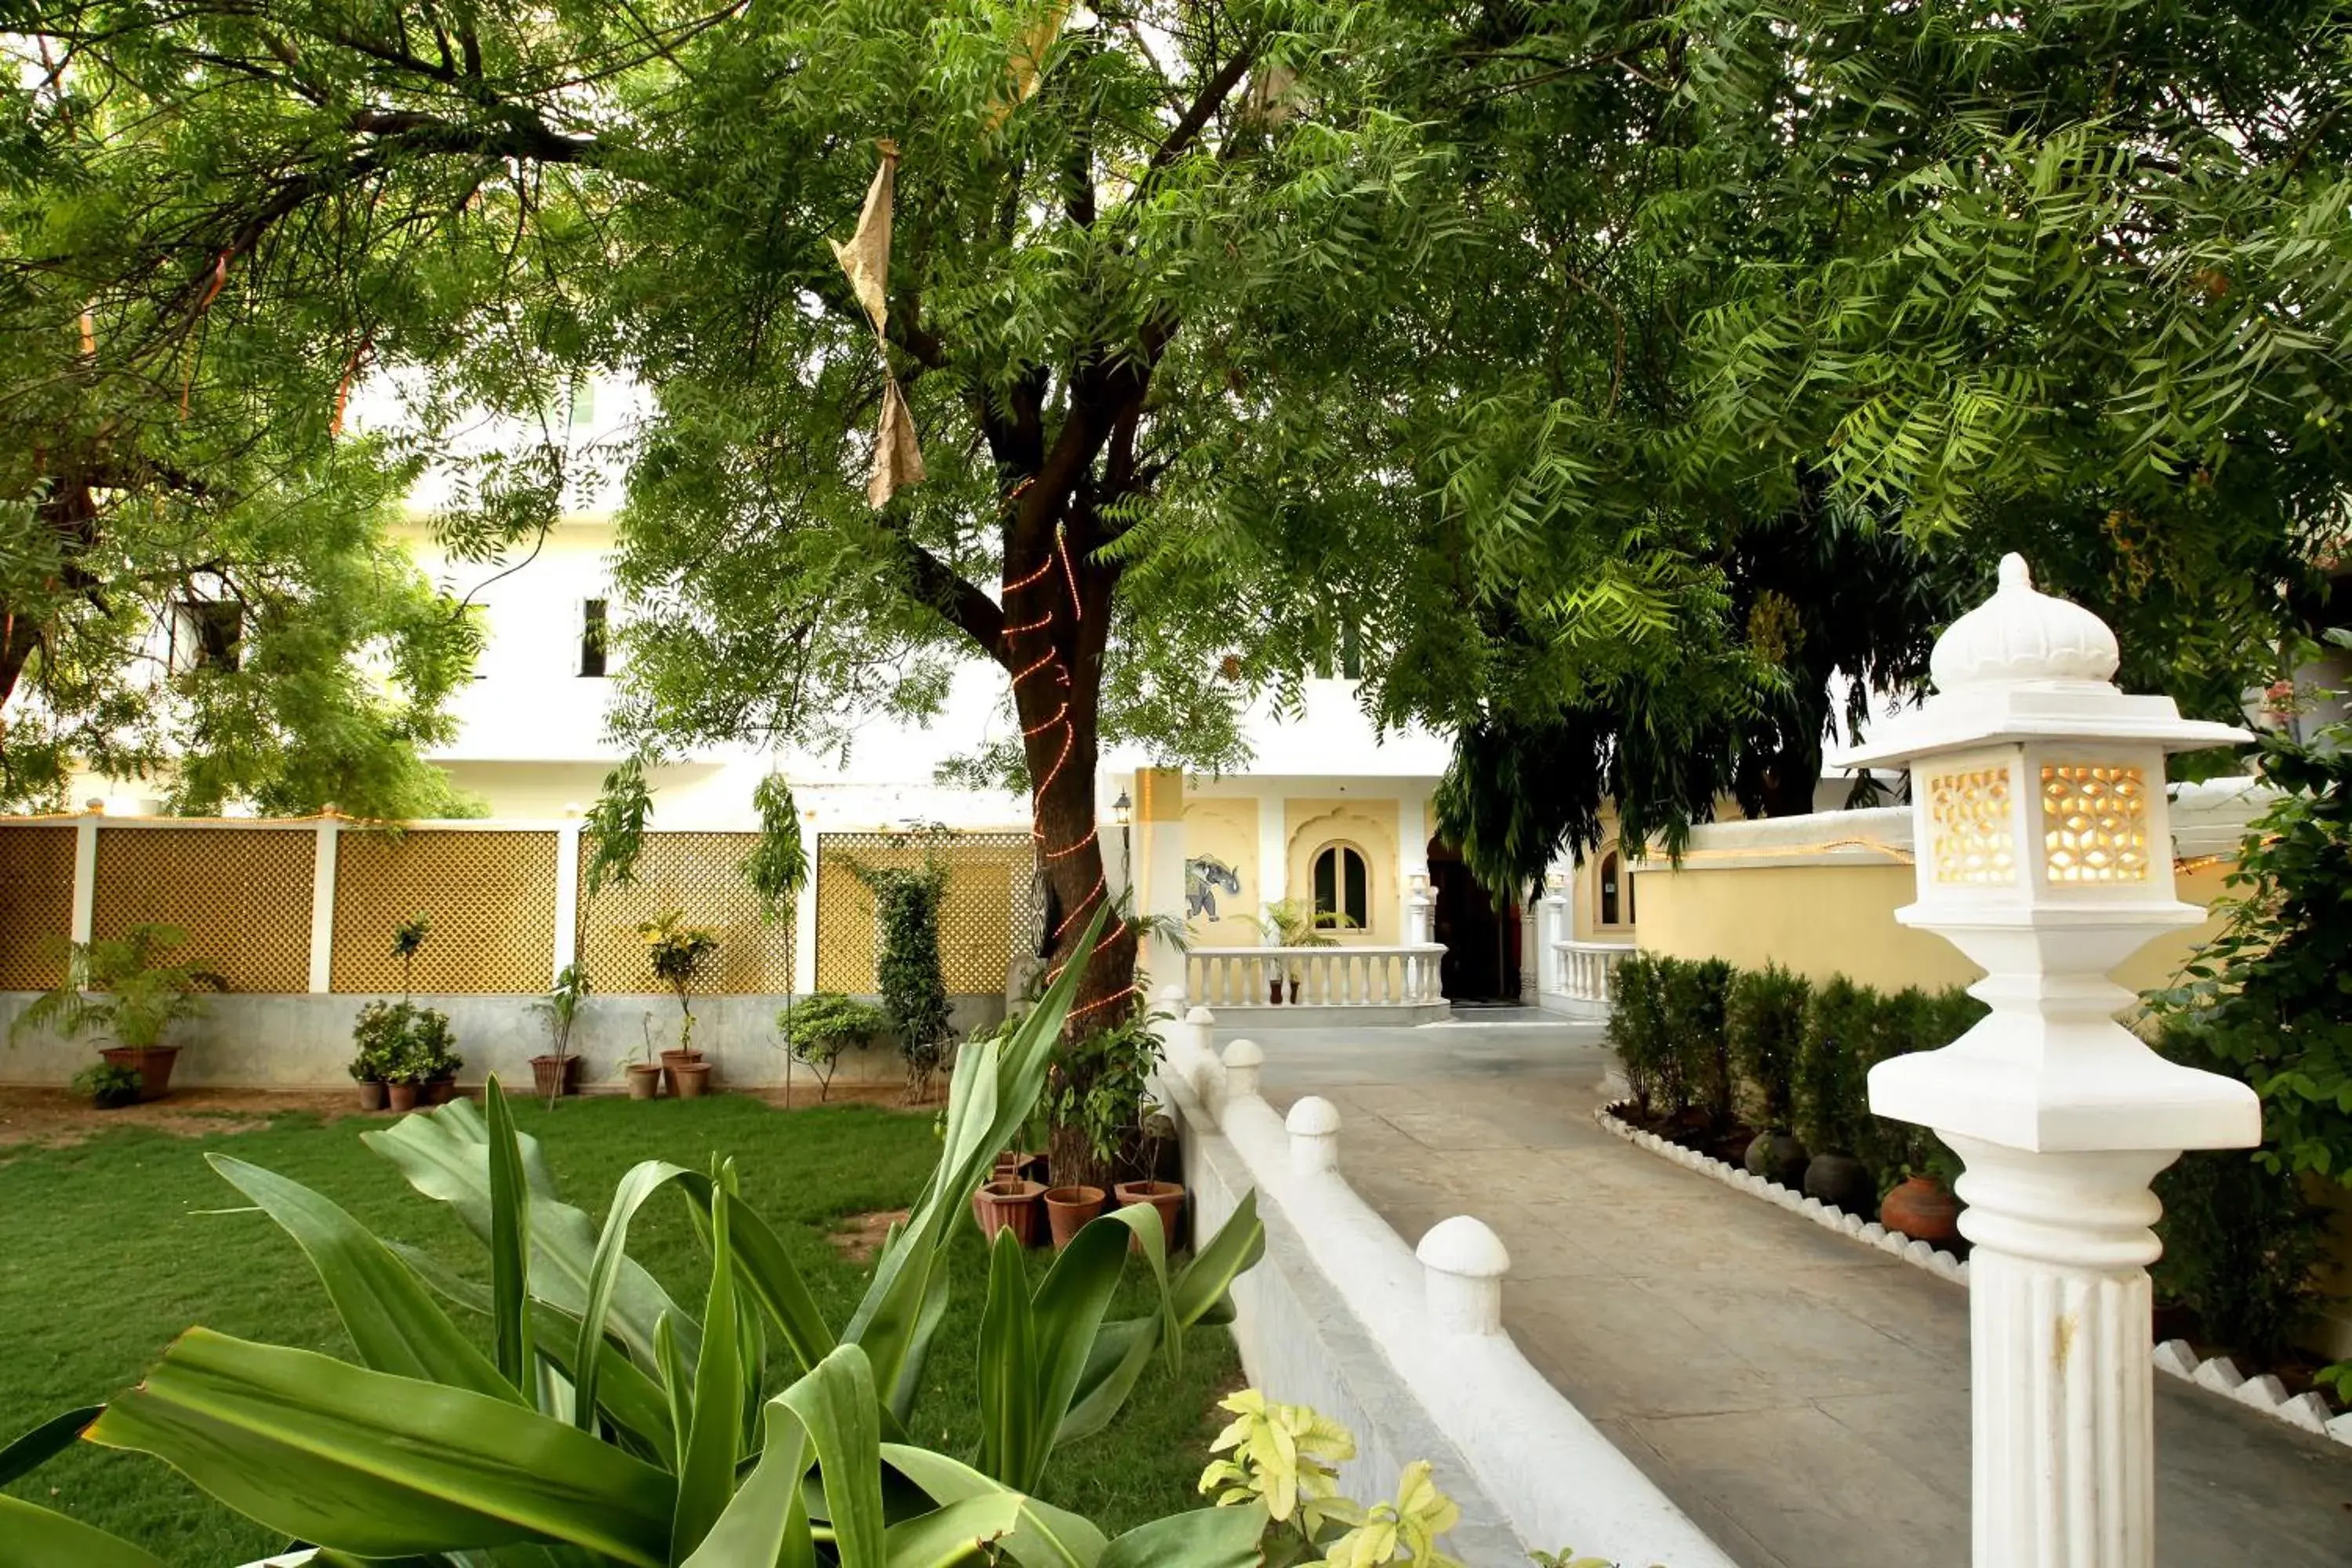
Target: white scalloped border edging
x,y
2265,1394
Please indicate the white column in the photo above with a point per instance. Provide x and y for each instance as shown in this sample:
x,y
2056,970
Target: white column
x,y
324,860
1413,859
85,883
567,898
1273,856
1554,931
1159,818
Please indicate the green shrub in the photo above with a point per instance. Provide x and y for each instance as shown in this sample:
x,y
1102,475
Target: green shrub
x,y
1637,1031
399,1042
1694,997
1764,1025
819,1026
1825,1089
2240,1245
106,1086
907,968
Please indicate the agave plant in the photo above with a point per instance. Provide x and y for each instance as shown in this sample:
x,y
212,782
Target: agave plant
x,y
607,1425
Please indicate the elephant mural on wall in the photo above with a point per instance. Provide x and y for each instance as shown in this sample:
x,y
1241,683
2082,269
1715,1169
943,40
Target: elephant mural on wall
x,y
1203,874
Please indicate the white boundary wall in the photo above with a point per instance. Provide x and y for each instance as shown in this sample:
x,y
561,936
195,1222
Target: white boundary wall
x,y
1343,1315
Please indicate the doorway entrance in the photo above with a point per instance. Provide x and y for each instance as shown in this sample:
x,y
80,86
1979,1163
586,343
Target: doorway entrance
x,y
1482,942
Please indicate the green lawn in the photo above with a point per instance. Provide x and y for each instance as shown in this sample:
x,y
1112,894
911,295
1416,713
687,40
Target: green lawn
x,y
113,1246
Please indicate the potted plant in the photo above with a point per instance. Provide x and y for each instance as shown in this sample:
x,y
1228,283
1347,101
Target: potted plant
x,y
1009,1203
818,1027
437,1046
645,1074
1097,1106
1069,1210
1765,1025
405,1074
1291,923
676,952
552,1074
377,1035
118,989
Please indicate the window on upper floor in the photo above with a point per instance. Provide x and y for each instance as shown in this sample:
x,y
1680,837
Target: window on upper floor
x,y
207,633
1342,887
594,629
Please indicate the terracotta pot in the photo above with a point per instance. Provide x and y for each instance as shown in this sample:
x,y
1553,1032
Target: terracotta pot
x,y
1923,1209
553,1076
1069,1210
1168,1197
1841,1182
689,1079
371,1094
670,1066
400,1097
1294,991
1777,1157
440,1091
152,1063
644,1081
1009,1204
1274,991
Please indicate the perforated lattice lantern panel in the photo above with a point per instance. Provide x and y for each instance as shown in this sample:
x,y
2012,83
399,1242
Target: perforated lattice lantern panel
x,y
1974,842
488,897
2095,823
36,874
242,894
989,910
700,874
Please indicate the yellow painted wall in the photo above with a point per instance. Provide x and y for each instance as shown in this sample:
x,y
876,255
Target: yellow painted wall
x,y
1822,920
1226,829
1368,826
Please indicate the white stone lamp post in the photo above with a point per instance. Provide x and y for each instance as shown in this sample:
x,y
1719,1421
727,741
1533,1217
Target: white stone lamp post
x,y
2044,853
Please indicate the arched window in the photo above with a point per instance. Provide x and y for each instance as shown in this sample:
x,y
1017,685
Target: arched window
x,y
1342,884
1609,904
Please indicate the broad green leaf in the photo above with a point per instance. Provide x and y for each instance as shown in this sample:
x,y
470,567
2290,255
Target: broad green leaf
x,y
766,1522
51,1438
1010,1399
836,1404
641,1182
768,1272
444,1155
977,1529
509,1245
394,1323
381,1466
1045,1537
706,1472
1204,1538
35,1537
677,1381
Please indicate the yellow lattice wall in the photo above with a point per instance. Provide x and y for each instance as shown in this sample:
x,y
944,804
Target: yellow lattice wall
x,y
699,873
490,896
36,873
242,894
986,914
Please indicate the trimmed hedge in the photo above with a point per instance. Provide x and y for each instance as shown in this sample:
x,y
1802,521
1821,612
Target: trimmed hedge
x,y
1779,1051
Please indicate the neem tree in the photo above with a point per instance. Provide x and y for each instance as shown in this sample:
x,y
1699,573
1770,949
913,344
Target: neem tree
x,y
1106,225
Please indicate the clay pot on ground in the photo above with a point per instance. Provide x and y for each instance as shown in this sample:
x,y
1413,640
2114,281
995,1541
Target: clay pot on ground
x,y
644,1081
439,1091
152,1063
690,1079
670,1066
1776,1156
371,1094
1008,1204
400,1098
1069,1209
1923,1209
553,1076
1168,1197
1841,1182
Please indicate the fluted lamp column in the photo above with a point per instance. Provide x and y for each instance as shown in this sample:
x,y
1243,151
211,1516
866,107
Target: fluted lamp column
x,y
2044,853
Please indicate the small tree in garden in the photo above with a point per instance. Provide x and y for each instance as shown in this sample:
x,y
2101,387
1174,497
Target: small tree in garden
x,y
907,968
119,990
560,1008
677,950
817,1029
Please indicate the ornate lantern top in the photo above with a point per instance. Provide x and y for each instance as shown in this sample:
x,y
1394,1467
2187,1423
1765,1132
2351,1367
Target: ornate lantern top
x,y
2025,665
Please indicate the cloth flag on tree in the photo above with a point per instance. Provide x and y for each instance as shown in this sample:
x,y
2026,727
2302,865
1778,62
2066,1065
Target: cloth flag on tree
x,y
898,456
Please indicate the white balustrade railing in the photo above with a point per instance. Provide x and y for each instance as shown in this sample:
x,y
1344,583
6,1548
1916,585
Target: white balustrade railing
x,y
1583,968
1349,977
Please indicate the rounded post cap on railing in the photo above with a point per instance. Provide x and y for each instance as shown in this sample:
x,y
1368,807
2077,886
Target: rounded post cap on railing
x,y
1313,1117
1465,1248
1171,997
1242,1059
1199,1015
1246,1053
1463,1263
